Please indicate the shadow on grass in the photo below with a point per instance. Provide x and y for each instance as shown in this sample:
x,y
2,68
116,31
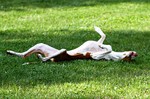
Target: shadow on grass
x,y
19,4
13,72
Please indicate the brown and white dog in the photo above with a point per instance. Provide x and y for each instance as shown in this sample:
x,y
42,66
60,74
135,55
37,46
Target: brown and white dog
x,y
89,50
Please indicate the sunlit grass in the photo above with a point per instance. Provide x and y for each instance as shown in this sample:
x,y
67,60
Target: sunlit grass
x,y
67,24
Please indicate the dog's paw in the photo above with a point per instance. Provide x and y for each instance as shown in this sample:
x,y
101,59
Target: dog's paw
x,y
39,56
96,28
9,52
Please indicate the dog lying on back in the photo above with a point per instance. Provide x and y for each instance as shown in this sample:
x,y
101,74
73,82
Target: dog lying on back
x,y
89,50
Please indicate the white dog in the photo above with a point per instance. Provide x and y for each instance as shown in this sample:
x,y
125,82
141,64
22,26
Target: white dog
x,y
88,50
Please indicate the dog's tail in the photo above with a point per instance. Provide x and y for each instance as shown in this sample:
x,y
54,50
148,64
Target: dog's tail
x,y
100,32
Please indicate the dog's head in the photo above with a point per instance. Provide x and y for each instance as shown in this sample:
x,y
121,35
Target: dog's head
x,y
129,55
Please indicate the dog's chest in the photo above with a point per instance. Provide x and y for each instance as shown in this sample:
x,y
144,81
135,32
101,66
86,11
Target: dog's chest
x,y
91,46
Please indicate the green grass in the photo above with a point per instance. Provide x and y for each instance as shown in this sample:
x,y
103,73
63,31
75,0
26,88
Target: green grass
x,y
67,24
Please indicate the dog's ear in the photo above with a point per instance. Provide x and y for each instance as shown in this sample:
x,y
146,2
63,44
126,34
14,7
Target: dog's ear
x,y
127,59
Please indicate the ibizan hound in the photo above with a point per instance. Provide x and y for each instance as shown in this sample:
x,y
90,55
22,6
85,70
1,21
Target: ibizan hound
x,y
89,50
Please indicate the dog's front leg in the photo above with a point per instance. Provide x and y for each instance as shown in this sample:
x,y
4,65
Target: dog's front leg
x,y
103,36
107,47
99,55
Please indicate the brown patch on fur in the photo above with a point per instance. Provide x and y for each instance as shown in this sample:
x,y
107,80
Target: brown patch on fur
x,y
66,57
127,59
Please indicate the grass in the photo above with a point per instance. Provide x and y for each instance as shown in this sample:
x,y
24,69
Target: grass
x,y
67,24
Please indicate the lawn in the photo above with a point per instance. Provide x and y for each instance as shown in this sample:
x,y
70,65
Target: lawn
x,y
67,24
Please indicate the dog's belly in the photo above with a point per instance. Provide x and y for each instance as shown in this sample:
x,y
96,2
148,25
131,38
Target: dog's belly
x,y
89,46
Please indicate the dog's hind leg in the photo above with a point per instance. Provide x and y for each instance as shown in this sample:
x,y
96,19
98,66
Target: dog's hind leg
x,y
44,59
38,48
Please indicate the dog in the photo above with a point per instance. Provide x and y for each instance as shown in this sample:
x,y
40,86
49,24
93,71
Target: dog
x,y
89,50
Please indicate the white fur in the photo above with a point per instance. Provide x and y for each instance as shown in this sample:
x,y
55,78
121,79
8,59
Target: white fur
x,y
97,50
